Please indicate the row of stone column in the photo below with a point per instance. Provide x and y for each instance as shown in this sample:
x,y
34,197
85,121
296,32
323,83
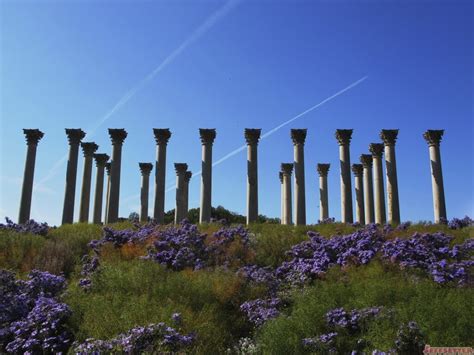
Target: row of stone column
x,y
365,209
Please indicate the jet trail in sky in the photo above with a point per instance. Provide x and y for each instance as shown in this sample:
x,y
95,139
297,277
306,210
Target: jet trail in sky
x,y
273,130
198,32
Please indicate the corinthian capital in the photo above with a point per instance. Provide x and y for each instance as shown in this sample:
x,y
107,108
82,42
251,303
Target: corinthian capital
x,y
357,169
298,136
187,176
117,135
207,135
323,169
287,168
145,168
252,135
180,168
433,136
376,149
75,135
389,136
344,136
101,159
33,136
89,148
162,135
366,160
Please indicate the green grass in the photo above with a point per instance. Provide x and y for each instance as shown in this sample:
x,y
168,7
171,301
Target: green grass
x,y
444,314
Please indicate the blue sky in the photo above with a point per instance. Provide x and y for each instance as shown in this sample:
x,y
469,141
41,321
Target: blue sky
x,y
254,64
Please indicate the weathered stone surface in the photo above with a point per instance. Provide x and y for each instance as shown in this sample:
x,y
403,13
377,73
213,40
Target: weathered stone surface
x,y
179,212
162,136
323,170
343,137
286,170
207,139
377,151
298,136
145,169
389,137
117,137
252,137
88,149
100,161
367,162
358,171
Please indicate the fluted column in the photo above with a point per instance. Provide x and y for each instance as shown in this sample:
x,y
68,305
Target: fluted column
x,y
323,170
252,137
282,194
433,138
162,135
298,137
108,168
377,150
145,169
207,139
358,171
343,137
117,136
100,161
33,136
88,149
286,169
187,178
74,137
366,160
389,137
179,213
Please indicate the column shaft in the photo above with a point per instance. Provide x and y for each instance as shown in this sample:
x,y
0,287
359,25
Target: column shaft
x,y
179,213
380,216
108,167
439,203
161,137
145,187
288,215
27,188
89,149
252,184
117,136
207,139
392,185
323,198
359,190
346,185
368,196
99,192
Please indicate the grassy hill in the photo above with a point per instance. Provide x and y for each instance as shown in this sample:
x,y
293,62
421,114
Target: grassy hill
x,y
281,304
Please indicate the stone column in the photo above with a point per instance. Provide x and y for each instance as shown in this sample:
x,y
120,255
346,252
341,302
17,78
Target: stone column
x,y
358,171
286,170
179,213
108,167
207,139
145,169
377,150
389,137
433,138
74,137
100,161
252,137
187,178
33,136
366,160
343,137
282,193
161,137
117,136
88,149
299,136
323,170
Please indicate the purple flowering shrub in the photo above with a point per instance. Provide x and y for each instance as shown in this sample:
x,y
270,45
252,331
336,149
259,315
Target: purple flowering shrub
x,y
260,276
260,310
154,338
31,317
311,259
90,264
410,339
459,223
230,246
341,323
29,227
432,253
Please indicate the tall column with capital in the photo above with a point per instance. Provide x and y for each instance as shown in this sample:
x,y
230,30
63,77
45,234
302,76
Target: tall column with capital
x,y
108,168
252,137
33,136
162,135
377,150
145,169
366,160
207,139
358,171
74,137
286,169
179,213
343,137
88,149
117,136
433,138
282,194
323,170
389,137
298,137
187,178
100,161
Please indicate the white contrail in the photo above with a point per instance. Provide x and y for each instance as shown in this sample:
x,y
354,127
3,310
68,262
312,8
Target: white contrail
x,y
273,130
198,32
